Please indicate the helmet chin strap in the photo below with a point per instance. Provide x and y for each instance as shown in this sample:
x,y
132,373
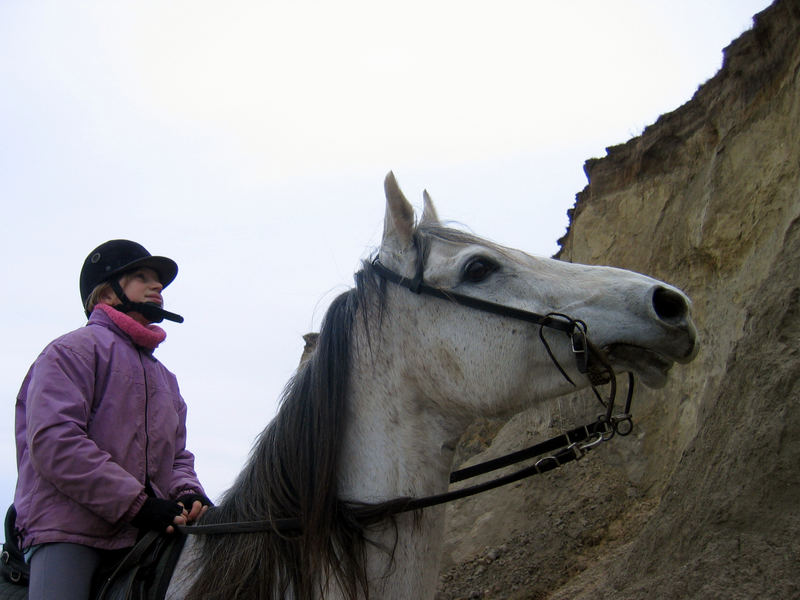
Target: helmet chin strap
x,y
149,310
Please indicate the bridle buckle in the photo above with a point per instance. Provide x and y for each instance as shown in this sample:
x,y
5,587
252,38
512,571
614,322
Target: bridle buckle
x,y
579,349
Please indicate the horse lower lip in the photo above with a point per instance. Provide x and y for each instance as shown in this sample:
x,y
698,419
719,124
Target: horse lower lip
x,y
651,366
631,353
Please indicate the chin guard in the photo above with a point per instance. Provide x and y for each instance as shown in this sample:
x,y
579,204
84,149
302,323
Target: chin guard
x,y
152,312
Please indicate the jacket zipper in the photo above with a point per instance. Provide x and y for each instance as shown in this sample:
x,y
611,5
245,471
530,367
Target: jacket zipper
x,y
147,487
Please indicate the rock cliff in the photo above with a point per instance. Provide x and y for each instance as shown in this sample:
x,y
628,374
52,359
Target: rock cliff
x,y
702,500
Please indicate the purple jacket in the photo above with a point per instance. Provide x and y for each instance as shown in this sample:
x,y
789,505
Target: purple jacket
x,y
95,414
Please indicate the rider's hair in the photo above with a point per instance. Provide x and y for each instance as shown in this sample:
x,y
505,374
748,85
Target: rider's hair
x,y
94,298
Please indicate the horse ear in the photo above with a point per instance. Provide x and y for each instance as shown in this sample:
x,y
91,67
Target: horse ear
x,y
429,216
398,225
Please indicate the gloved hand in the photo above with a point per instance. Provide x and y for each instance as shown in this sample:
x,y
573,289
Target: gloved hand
x,y
157,514
195,504
188,499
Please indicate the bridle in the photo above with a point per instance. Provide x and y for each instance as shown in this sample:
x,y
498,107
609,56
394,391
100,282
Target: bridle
x,y
551,454
589,359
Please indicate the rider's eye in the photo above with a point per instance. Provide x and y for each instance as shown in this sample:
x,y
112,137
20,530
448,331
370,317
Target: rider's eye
x,y
479,269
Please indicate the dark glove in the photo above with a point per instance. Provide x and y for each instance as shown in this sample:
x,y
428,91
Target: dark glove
x,y
188,499
156,514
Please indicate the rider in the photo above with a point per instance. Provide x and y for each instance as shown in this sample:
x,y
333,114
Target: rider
x,y
101,429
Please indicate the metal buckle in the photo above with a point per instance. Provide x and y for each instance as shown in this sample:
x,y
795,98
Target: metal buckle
x,y
622,423
591,444
577,450
578,339
544,460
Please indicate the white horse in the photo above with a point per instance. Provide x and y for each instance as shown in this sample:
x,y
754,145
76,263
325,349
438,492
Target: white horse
x,y
375,413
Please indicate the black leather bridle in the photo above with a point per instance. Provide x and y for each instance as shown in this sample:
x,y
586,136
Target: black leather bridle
x,y
589,359
555,452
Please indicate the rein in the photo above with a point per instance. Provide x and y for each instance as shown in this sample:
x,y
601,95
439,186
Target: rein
x,y
555,452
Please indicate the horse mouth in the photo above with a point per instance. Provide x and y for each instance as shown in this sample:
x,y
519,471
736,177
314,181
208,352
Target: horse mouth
x,y
651,367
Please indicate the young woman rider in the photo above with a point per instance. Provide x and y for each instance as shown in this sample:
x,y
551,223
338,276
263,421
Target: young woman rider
x,y
101,429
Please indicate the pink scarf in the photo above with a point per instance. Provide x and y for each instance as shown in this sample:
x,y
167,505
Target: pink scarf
x,y
146,336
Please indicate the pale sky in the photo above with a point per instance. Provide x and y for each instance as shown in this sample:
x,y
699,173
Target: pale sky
x,y
248,141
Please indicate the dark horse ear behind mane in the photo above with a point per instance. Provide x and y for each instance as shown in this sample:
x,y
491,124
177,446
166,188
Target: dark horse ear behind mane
x,y
292,472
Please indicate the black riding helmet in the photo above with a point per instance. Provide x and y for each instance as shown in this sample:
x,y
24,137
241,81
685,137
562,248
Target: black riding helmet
x,y
109,261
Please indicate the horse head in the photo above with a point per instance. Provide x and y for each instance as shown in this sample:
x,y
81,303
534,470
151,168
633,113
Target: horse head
x,y
488,361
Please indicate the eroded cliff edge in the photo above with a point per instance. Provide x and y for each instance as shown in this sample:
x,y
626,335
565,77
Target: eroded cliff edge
x,y
702,501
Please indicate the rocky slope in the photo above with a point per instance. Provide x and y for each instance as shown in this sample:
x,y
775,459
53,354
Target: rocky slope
x,y
703,499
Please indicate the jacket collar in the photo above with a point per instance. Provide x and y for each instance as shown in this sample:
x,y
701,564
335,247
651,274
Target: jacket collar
x,y
147,337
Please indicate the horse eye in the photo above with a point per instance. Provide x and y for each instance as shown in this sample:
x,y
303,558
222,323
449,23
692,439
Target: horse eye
x,y
479,269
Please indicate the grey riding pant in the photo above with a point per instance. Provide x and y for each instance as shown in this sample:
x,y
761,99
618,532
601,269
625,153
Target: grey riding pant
x,y
62,571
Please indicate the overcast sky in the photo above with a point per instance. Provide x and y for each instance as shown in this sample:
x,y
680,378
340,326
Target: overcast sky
x,y
249,140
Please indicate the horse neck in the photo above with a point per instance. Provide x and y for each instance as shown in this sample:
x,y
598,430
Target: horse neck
x,y
391,448
396,444
389,457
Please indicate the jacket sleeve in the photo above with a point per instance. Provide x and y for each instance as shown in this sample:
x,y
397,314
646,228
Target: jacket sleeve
x,y
59,406
184,477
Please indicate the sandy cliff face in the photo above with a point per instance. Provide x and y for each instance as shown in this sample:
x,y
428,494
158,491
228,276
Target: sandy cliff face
x,y
703,500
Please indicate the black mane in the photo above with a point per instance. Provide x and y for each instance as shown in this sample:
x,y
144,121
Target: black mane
x,y
292,472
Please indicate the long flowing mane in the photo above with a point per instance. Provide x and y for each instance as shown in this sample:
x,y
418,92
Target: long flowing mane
x,y
292,473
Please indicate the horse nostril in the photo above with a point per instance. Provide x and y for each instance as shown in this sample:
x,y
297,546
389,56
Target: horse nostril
x,y
669,305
